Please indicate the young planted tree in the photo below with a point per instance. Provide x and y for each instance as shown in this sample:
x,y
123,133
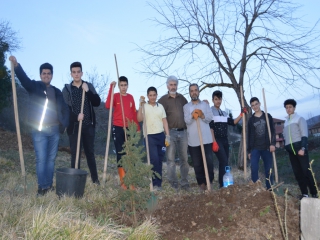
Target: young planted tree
x,y
223,43
138,175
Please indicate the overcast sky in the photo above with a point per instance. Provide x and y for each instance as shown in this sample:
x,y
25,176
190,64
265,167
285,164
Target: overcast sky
x,y
61,32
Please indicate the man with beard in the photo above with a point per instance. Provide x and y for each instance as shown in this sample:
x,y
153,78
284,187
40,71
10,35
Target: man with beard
x,y
194,111
173,103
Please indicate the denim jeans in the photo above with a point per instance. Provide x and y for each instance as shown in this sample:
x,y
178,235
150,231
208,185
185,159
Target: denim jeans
x,y
87,140
45,144
196,156
266,156
223,157
157,151
178,142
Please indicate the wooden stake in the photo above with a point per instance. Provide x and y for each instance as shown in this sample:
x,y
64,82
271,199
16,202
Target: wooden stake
x,y
203,156
16,117
269,132
145,132
79,130
121,103
244,136
108,138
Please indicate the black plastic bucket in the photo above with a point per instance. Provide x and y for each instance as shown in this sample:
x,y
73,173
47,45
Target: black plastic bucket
x,y
70,181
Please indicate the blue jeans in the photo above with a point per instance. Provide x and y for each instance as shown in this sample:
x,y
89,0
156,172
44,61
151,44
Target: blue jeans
x,y
46,147
266,156
157,151
178,142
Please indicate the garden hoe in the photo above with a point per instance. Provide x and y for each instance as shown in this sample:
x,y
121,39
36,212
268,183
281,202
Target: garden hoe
x,y
153,201
203,156
16,116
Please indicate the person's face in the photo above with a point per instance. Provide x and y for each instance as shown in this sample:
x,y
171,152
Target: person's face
x,y
46,76
290,109
152,96
123,86
255,105
76,74
172,87
217,101
194,93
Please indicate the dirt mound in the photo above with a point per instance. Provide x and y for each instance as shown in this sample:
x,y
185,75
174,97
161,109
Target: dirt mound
x,y
236,212
9,140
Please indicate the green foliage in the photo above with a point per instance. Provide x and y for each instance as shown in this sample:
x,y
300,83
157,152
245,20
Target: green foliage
x,y
5,82
138,175
265,211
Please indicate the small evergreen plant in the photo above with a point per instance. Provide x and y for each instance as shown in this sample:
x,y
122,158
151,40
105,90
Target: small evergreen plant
x,y
138,175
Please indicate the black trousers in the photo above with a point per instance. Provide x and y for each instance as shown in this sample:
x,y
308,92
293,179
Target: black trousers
x,y
118,139
87,141
300,166
196,156
223,157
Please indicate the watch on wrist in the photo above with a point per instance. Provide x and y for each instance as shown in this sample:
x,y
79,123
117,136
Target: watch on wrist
x,y
303,149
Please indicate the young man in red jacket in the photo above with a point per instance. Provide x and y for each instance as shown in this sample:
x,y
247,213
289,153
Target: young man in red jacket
x,y
130,114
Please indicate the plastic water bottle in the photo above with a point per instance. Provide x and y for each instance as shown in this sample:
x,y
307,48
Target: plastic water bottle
x,y
227,177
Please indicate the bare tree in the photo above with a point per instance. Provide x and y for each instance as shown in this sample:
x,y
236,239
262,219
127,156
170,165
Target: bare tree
x,y
99,81
233,43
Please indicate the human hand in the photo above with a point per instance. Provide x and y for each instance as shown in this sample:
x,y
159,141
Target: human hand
x,y
199,112
272,148
244,110
113,83
142,100
215,147
13,60
301,152
167,141
195,115
85,87
80,116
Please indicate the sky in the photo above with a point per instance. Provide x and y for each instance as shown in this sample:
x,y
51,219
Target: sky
x,y
62,32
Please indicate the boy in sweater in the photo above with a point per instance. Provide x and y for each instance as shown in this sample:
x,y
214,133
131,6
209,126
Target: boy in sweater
x,y
296,143
130,114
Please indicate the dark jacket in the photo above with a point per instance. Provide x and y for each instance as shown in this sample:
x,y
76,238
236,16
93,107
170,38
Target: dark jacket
x,y
251,132
37,96
94,101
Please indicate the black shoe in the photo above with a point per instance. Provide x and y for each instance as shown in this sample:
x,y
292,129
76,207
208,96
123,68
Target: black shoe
x,y
186,188
315,196
303,196
97,182
175,186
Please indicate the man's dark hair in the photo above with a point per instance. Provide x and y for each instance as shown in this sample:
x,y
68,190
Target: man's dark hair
x,y
150,89
75,64
46,66
193,84
123,79
217,94
290,102
253,99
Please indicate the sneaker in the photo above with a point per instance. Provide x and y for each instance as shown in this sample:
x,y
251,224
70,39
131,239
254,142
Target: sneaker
x,y
175,186
186,188
157,188
303,196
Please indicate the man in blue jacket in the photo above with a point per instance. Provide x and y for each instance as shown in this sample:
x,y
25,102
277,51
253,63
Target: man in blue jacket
x,y
48,113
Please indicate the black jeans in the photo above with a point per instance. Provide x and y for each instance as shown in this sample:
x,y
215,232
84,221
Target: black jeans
x,y
196,156
223,157
87,140
300,166
119,140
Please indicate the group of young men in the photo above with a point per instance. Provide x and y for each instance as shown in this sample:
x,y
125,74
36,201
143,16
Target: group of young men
x,y
174,126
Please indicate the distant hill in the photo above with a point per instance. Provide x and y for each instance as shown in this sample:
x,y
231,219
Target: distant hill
x,y
313,120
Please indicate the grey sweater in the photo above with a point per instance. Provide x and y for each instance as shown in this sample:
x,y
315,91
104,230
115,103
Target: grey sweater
x,y
295,128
